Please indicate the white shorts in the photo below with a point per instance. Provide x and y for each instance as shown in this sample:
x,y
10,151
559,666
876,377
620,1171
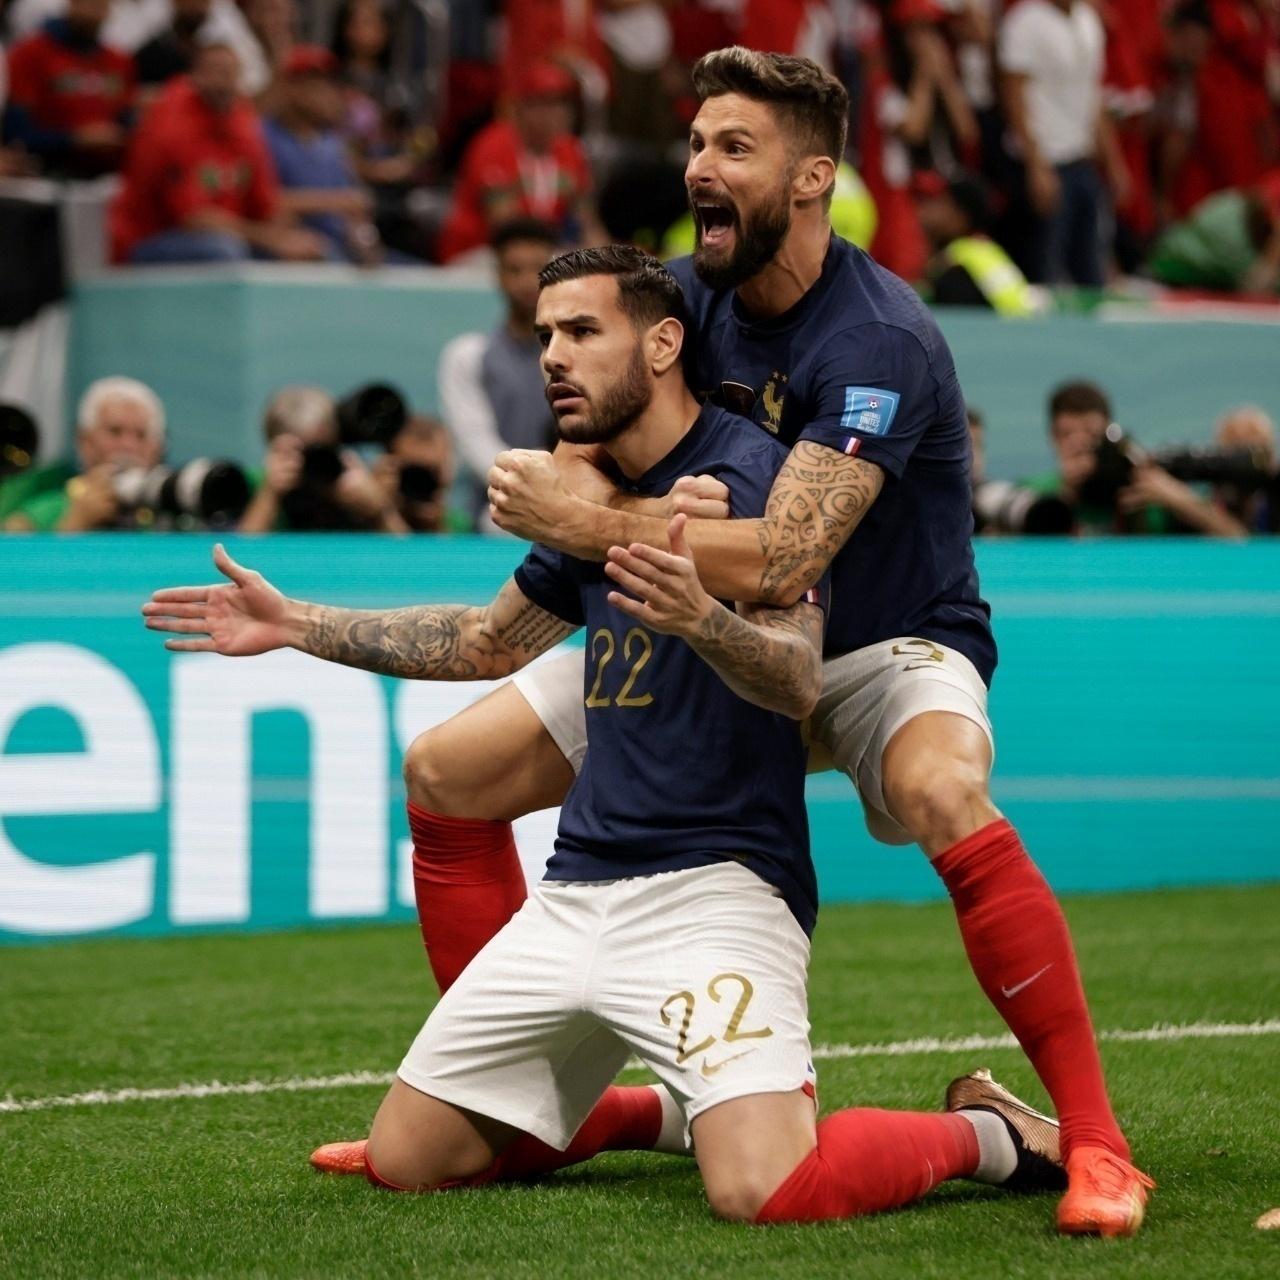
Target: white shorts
x,y
700,973
867,696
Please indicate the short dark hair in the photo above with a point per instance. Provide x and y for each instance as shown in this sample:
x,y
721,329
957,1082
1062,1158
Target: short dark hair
x,y
814,104
1079,397
515,230
647,291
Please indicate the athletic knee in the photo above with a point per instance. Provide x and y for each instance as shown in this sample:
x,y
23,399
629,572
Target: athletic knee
x,y
397,1166
740,1197
431,781
942,803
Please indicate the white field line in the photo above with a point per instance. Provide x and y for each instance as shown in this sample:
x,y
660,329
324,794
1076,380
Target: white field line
x,y
823,1052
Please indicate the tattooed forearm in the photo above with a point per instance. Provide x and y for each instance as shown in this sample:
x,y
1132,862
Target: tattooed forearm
x,y
816,502
772,657
434,642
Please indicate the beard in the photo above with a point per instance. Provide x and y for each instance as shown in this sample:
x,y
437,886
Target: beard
x,y
617,408
759,238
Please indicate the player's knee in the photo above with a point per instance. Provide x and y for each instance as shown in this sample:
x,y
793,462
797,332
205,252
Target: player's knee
x,y
430,780
942,801
740,1196
395,1165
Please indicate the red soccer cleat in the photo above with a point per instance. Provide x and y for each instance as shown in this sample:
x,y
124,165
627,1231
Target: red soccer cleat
x,y
1106,1195
340,1157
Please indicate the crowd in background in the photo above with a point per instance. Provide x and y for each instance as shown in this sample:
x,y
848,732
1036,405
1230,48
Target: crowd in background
x,y
1083,138
368,463
995,146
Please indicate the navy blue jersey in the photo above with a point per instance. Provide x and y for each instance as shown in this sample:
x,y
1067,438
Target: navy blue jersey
x,y
859,365
679,772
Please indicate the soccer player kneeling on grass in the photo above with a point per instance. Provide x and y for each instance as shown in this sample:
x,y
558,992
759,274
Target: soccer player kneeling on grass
x,y
674,919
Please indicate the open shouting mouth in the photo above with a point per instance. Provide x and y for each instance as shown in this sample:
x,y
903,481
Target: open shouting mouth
x,y
716,218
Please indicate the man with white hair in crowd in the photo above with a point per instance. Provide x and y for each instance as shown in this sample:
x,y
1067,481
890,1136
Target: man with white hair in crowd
x,y
120,424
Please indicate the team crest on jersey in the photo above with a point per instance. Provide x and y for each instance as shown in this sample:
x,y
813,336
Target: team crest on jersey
x,y
772,397
869,410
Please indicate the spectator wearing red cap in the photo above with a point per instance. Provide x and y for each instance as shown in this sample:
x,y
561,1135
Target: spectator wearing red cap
x,y
318,185
199,184
70,96
527,166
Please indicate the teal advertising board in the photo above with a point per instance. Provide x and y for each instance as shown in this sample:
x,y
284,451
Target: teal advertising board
x,y
1136,707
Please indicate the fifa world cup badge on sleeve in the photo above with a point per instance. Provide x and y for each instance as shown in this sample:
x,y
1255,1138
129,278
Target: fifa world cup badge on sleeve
x,y
869,410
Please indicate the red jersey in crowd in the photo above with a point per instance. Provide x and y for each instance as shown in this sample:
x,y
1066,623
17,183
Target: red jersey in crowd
x,y
1129,79
498,171
61,81
550,30
1237,141
187,157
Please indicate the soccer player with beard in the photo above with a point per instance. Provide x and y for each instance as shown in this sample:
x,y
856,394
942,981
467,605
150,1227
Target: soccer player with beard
x,y
674,917
806,335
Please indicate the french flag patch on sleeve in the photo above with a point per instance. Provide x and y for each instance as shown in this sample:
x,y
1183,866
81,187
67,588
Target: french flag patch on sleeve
x,y
869,410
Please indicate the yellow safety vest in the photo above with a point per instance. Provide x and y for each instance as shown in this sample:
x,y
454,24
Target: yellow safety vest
x,y
994,272
853,215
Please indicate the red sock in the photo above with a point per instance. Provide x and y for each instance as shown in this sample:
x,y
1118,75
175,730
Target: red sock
x,y
1020,949
627,1118
867,1161
468,883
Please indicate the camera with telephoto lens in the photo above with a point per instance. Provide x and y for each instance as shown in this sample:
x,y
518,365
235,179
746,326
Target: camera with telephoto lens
x,y
1000,506
1117,456
19,439
207,491
369,416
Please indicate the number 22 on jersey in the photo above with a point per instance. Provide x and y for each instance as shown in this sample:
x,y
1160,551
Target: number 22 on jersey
x,y
637,649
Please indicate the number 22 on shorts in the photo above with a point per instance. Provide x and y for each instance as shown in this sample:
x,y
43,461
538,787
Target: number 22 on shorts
x,y
733,1031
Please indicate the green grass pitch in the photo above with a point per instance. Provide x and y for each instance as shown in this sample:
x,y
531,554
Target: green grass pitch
x,y
220,1185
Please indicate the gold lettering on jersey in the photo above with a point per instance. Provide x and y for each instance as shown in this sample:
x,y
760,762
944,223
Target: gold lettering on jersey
x,y
603,654
771,398
603,649
639,638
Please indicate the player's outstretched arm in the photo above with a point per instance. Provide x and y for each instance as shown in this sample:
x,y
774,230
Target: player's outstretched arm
x,y
247,615
817,501
770,656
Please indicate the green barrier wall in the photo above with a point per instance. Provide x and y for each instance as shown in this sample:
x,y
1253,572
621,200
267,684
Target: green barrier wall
x,y
1136,712
216,344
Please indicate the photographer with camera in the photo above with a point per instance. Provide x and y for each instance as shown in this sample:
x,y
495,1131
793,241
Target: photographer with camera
x,y
416,472
1115,486
309,481
120,480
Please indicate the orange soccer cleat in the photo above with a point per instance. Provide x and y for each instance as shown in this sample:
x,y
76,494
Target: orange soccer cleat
x,y
1106,1195
340,1157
